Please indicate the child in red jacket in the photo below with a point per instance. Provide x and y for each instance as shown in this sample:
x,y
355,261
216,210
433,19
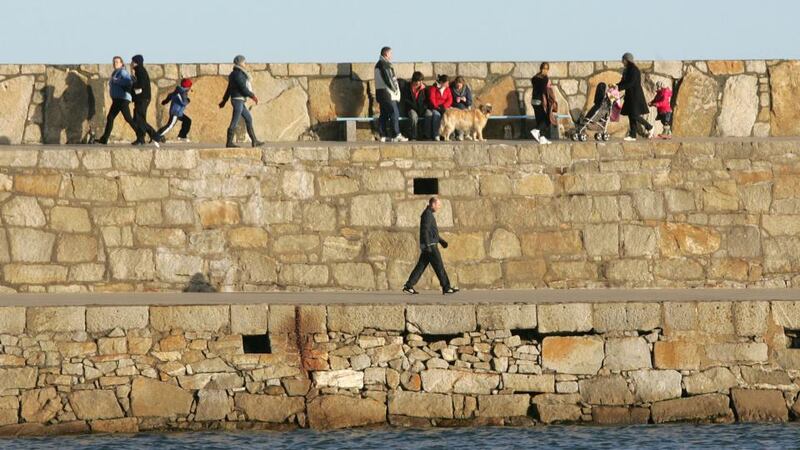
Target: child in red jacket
x,y
662,102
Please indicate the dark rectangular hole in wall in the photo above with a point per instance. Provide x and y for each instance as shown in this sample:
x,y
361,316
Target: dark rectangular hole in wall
x,y
426,186
793,338
256,343
431,338
527,335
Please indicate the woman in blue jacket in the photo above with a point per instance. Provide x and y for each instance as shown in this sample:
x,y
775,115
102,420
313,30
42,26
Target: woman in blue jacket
x,y
120,85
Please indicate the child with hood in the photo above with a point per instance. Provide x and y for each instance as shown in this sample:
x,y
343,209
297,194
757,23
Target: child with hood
x,y
663,104
177,111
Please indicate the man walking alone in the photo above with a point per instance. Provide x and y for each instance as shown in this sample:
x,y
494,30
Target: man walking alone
x,y
429,241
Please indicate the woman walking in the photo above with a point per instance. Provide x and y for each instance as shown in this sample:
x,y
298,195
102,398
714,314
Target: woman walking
x,y
240,88
635,105
120,86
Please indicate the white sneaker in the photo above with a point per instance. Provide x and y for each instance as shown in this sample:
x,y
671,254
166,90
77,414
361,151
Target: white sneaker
x,y
155,142
544,141
629,139
400,138
383,139
437,138
184,140
651,133
536,134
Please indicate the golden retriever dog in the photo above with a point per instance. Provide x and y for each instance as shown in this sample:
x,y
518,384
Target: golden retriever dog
x,y
470,121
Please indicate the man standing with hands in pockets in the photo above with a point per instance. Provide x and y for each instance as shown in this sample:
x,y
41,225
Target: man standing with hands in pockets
x,y
429,241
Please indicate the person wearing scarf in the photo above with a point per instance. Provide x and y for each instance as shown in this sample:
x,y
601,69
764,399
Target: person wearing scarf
x,y
240,88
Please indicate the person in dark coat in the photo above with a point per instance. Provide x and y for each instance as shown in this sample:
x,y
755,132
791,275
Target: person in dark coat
x,y
141,100
240,88
413,100
542,107
635,105
429,242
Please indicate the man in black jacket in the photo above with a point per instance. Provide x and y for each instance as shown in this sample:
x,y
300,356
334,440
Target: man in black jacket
x,y
635,105
415,106
429,241
141,100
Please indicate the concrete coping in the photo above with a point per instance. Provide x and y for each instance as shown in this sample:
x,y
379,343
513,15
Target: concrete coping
x,y
537,296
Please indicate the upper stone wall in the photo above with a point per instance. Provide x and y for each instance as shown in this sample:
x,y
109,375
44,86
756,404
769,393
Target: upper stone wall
x,y
61,104
643,214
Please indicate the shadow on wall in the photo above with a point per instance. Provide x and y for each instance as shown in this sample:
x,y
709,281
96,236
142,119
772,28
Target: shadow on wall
x,y
70,114
199,283
4,140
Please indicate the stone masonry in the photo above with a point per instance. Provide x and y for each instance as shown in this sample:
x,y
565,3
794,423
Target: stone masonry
x,y
77,369
63,103
715,213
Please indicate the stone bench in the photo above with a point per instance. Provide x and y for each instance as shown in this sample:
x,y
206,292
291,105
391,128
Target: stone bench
x,y
348,124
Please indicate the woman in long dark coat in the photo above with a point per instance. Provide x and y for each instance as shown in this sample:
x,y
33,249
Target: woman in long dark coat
x,y
635,105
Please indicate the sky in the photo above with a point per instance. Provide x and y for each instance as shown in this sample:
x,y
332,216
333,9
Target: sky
x,y
92,31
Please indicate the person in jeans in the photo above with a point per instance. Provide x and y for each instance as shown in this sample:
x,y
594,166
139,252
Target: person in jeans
x,y
387,92
429,242
635,105
240,88
141,100
120,85
415,105
440,99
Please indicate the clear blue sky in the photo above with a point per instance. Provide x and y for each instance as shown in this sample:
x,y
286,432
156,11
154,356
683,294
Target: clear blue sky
x,y
91,31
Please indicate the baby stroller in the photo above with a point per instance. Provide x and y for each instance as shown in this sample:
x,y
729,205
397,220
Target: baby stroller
x,y
605,109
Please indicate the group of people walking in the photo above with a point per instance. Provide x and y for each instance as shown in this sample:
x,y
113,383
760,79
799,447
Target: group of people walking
x,y
125,88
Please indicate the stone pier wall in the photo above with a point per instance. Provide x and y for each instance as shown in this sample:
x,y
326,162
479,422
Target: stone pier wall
x,y
306,217
136,368
62,103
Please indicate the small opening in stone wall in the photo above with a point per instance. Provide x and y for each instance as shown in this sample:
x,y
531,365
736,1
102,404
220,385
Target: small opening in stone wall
x,y
528,335
792,338
256,343
426,186
431,338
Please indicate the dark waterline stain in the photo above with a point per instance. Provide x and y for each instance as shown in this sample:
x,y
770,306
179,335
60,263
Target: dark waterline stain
x,y
683,436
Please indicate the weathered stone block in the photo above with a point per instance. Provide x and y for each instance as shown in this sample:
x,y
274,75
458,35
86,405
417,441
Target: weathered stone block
x,y
269,408
417,404
656,385
340,411
624,354
506,317
680,355
12,320
105,318
529,383
96,404
445,381
716,379
249,319
565,317
56,318
606,390
759,405
513,405
620,415
352,319
212,404
190,318
701,408
442,319
151,398
573,354
18,378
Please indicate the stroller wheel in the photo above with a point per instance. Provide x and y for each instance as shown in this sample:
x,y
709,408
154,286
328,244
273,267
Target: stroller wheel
x,y
597,136
574,137
583,138
606,136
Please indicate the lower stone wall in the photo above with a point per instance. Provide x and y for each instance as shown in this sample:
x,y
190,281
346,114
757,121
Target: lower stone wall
x,y
132,368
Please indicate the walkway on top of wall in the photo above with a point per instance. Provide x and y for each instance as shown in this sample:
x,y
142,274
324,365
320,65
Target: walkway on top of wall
x,y
197,146
428,297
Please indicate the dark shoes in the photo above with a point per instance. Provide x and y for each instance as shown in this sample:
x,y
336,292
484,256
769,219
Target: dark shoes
x,y
257,143
410,290
450,290
137,142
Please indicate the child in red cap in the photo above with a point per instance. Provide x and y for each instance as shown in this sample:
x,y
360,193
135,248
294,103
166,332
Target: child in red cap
x,y
177,111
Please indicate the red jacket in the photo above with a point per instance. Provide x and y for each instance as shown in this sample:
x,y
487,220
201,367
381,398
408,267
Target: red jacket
x,y
662,100
439,100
